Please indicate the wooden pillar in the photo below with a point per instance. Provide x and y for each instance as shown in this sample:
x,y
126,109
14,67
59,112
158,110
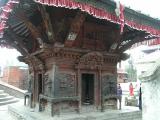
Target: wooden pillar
x,y
100,89
34,88
97,91
79,90
32,83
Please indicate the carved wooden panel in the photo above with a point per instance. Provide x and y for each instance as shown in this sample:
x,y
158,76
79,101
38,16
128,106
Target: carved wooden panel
x,y
47,85
109,84
93,60
64,84
97,37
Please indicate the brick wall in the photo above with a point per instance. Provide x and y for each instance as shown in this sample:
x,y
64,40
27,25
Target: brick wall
x,y
16,76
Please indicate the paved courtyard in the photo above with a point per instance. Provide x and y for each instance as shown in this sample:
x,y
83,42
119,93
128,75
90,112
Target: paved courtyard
x,y
126,111
4,115
24,113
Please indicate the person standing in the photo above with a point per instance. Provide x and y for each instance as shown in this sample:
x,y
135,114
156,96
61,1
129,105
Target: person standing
x,y
131,90
119,95
140,98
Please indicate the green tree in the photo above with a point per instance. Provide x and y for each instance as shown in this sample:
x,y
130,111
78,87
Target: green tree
x,y
131,70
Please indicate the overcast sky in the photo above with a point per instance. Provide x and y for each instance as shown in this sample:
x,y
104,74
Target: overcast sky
x,y
149,7
9,57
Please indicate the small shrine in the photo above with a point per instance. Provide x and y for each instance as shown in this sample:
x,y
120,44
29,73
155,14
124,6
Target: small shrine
x,y
72,48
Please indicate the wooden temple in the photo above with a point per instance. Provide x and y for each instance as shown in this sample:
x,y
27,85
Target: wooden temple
x,y
72,48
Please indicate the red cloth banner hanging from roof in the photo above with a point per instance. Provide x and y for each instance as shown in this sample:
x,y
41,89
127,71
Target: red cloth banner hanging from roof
x,y
5,14
122,17
100,13
148,43
71,4
120,13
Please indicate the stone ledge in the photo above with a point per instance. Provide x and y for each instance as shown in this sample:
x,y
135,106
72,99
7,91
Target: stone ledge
x,y
23,113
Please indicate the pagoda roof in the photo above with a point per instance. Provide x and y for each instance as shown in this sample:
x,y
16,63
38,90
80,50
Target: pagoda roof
x,y
134,26
105,9
102,9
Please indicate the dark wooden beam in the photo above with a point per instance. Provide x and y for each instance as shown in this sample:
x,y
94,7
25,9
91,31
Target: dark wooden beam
x,y
126,37
129,35
13,44
138,38
20,29
17,40
36,34
119,38
76,25
151,38
47,23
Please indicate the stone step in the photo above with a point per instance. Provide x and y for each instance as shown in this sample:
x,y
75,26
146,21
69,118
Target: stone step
x,y
1,91
6,98
8,101
4,95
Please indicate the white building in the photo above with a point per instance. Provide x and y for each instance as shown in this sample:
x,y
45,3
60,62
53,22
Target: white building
x,y
143,64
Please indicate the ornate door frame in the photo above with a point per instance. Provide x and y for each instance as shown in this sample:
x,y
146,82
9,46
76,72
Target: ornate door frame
x,y
91,63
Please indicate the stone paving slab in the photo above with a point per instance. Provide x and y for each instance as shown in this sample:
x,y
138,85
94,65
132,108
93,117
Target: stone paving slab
x,y
20,112
4,113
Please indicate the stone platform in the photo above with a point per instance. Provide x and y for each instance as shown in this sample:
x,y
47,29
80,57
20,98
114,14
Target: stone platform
x,y
4,113
20,112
